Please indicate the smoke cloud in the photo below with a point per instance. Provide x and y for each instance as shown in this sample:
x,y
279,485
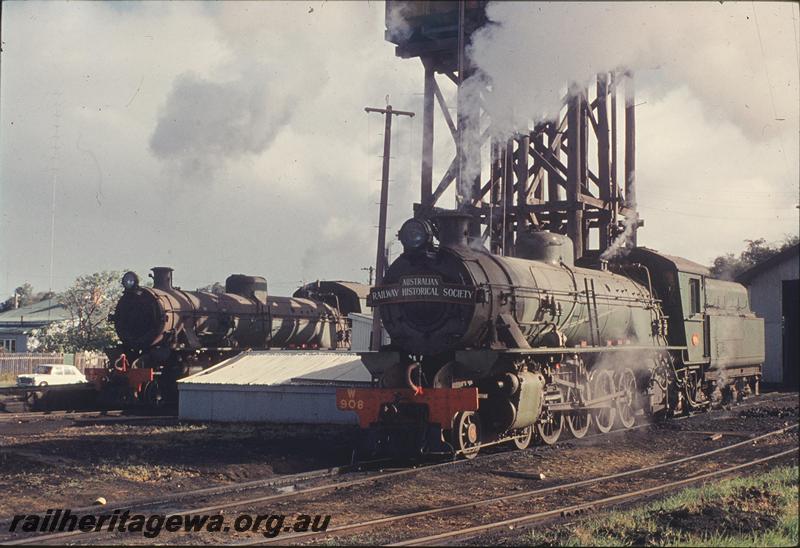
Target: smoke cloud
x,y
533,49
205,122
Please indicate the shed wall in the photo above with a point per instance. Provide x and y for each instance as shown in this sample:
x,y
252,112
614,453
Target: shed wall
x,y
766,301
280,404
362,332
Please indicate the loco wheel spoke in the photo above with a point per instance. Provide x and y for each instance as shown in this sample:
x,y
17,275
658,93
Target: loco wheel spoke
x,y
550,429
603,385
626,405
523,440
467,434
551,424
579,421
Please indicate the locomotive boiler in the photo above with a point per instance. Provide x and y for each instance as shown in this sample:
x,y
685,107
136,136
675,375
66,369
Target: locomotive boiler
x,y
167,333
487,349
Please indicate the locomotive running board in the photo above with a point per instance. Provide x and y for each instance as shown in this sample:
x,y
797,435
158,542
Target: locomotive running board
x,y
588,349
480,362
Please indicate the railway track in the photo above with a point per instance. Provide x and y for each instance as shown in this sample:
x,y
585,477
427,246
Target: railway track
x,y
471,505
144,504
56,415
291,481
293,490
529,519
293,484
298,485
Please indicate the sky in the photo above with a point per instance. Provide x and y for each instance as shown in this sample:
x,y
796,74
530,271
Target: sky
x,y
221,138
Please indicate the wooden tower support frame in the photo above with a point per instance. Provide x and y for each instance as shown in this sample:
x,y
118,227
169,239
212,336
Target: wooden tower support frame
x,y
560,176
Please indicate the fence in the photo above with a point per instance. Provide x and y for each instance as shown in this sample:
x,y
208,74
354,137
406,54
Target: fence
x,y
25,362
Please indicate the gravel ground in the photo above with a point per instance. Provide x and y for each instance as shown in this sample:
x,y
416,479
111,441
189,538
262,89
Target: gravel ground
x,y
65,463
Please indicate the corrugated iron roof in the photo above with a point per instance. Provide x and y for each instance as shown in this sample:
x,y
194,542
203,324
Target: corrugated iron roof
x,y
43,312
753,272
275,367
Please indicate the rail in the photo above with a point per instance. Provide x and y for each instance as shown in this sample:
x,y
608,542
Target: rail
x,y
515,496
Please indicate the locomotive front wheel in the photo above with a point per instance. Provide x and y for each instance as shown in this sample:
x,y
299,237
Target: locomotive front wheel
x,y
603,385
626,404
578,421
151,395
523,440
467,433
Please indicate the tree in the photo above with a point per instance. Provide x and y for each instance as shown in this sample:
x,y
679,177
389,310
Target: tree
x,y
89,301
25,296
729,266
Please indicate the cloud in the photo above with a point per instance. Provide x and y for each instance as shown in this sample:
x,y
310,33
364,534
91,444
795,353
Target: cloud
x,y
206,124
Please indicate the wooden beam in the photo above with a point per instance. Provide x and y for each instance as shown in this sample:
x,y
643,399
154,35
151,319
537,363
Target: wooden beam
x,y
452,76
448,178
426,177
445,111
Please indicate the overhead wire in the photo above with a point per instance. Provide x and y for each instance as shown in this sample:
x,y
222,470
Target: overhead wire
x,y
737,218
796,40
769,85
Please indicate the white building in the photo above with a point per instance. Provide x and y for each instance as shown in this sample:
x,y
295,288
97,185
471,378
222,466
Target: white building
x,y
774,288
361,332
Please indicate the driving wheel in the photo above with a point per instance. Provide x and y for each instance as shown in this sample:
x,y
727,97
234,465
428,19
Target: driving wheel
x,y
523,440
603,385
580,420
467,433
626,403
551,423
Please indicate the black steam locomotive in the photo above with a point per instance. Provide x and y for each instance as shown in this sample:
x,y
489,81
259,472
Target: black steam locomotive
x,y
167,333
487,349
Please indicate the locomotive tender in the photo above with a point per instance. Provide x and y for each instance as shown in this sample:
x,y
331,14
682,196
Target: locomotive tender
x,y
167,333
487,349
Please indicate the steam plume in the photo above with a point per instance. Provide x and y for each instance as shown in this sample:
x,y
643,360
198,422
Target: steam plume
x,y
205,122
533,49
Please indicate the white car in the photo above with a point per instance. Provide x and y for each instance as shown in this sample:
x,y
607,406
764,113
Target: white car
x,y
50,374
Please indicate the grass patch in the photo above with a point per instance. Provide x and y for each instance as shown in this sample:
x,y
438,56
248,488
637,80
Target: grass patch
x,y
758,510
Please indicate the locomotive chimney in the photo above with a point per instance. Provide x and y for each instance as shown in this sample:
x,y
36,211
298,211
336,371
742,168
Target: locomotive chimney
x,y
453,228
162,277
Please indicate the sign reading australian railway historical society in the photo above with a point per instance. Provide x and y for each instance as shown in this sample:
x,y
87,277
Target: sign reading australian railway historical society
x,y
422,288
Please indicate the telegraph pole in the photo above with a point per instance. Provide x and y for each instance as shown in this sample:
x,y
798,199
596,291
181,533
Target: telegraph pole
x,y
380,260
371,270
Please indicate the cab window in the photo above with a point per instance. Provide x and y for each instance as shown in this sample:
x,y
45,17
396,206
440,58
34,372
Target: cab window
x,y
694,291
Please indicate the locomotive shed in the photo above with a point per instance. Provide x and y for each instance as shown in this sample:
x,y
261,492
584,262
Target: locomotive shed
x,y
148,462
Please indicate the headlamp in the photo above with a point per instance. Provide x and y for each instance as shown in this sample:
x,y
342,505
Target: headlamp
x,y
130,280
415,234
